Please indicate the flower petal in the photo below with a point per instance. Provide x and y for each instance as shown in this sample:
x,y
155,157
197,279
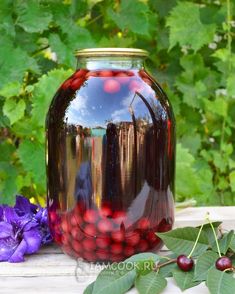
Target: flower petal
x,y
7,248
18,255
33,239
6,230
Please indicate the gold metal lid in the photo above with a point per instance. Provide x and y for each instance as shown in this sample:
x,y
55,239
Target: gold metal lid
x,y
91,52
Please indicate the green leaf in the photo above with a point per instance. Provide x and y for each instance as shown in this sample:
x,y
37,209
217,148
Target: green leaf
x,y
219,282
232,244
181,241
224,243
8,186
7,23
6,151
184,280
232,180
14,65
189,30
32,16
14,110
204,263
231,85
89,289
133,16
44,91
218,106
143,256
144,267
152,283
116,280
32,157
11,89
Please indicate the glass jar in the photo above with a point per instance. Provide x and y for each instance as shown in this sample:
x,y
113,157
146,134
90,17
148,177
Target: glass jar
x,y
110,157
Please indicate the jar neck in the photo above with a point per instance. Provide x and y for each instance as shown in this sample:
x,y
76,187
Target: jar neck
x,y
111,62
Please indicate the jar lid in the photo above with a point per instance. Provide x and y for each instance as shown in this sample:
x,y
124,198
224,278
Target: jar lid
x,y
111,52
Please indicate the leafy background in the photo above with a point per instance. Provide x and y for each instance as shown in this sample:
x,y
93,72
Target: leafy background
x,y
191,54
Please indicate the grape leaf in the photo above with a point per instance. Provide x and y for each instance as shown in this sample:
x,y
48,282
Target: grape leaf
x,y
11,89
205,262
14,65
32,16
32,157
133,15
184,279
220,282
232,180
44,91
8,186
189,30
181,241
7,24
14,110
152,283
114,281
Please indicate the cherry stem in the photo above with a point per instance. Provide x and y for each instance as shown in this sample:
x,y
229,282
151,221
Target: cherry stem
x,y
158,266
214,233
195,244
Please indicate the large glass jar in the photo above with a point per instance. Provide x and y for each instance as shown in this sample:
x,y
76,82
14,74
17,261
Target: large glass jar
x,y
110,157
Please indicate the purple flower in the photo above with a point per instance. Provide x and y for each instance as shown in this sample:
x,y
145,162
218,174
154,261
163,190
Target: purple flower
x,y
23,229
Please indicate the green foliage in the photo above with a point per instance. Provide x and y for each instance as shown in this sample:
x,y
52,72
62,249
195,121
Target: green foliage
x,y
150,278
192,57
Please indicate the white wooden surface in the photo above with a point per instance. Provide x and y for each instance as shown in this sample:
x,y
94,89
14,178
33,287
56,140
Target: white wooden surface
x,y
50,271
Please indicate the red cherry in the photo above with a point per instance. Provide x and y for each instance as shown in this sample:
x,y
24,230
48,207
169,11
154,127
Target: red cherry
x,y
90,230
106,73
116,248
76,84
142,245
135,86
128,251
143,223
103,242
80,73
92,74
143,74
90,216
66,84
116,258
105,212
77,246
185,263
89,256
152,237
119,216
104,226
53,217
118,236
111,86
89,244
132,238
147,81
64,225
75,220
65,239
77,234
223,263
102,254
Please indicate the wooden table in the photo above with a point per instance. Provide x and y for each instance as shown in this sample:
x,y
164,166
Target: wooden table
x,y
50,271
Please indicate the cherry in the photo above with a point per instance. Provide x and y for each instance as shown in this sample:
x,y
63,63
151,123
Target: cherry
x,y
116,248
111,86
90,230
102,255
89,244
77,234
80,73
135,86
76,83
123,78
75,220
143,245
143,223
90,216
118,236
102,242
129,251
92,74
223,263
185,263
104,226
65,225
132,238
66,84
105,211
77,246
106,73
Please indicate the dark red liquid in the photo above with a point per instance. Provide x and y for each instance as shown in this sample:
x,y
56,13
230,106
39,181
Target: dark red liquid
x,y
111,159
